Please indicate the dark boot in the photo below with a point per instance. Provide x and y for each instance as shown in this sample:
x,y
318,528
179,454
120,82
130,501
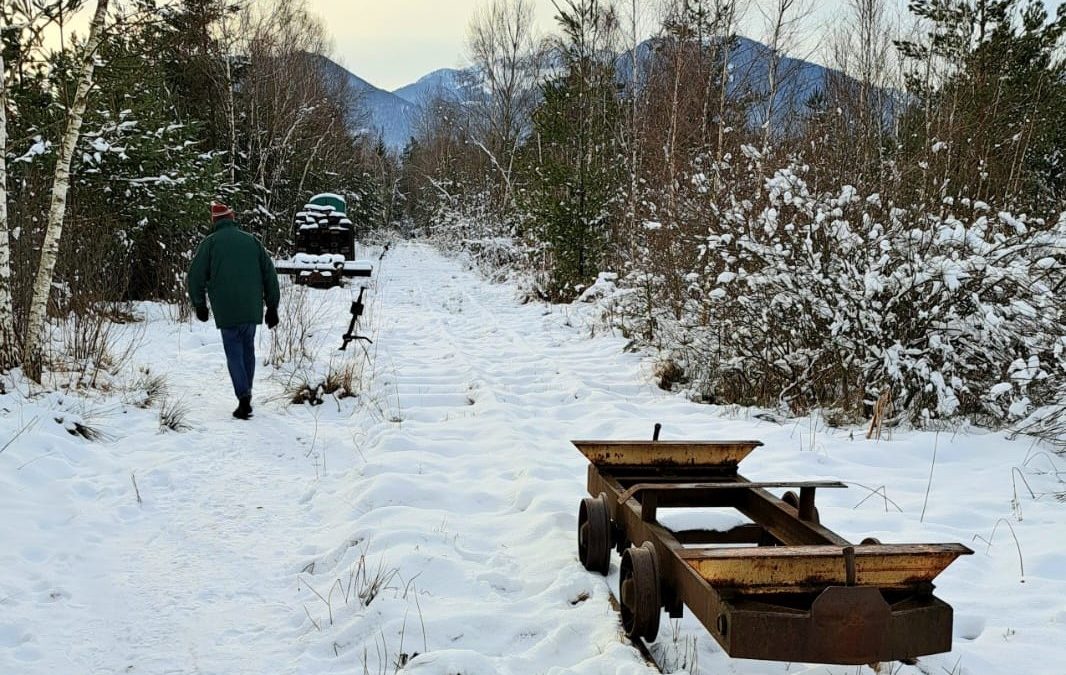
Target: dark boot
x,y
244,408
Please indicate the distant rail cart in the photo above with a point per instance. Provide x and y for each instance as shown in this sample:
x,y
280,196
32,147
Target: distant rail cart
x,y
325,245
781,587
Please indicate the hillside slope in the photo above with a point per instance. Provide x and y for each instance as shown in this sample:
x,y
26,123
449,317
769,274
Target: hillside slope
x,y
446,82
750,65
374,110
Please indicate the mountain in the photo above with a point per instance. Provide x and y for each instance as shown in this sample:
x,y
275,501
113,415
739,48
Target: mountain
x,y
446,81
374,110
799,80
749,63
394,114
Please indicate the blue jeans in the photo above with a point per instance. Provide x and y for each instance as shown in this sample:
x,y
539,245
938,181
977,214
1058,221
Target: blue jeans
x,y
239,343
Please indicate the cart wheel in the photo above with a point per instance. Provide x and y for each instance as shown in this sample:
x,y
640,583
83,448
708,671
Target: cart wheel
x,y
594,534
793,500
638,590
870,541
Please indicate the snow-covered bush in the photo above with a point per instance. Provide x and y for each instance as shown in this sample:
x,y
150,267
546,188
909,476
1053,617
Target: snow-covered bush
x,y
469,226
806,299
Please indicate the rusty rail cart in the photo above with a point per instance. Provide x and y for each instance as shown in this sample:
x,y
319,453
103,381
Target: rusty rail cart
x,y
780,588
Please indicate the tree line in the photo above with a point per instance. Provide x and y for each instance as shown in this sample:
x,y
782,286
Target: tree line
x,y
884,232
891,230
113,145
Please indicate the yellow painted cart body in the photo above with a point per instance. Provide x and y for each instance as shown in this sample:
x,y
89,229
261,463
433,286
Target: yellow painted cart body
x,y
782,587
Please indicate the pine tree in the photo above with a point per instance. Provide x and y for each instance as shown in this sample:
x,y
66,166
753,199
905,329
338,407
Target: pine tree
x,y
575,158
144,169
988,86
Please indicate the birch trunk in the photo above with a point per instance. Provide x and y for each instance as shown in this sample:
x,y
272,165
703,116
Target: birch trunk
x,y
772,85
634,157
231,110
42,285
8,346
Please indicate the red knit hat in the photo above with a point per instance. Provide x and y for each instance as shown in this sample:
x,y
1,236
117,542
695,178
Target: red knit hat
x,y
220,211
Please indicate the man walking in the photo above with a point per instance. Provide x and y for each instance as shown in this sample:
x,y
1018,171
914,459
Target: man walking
x,y
233,269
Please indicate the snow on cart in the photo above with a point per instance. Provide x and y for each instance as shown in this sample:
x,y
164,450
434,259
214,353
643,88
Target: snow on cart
x,y
325,245
781,587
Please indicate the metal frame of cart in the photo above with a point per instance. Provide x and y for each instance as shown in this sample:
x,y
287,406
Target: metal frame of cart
x,y
782,588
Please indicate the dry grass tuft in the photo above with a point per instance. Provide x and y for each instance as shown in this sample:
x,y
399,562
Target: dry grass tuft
x,y
148,389
174,415
341,381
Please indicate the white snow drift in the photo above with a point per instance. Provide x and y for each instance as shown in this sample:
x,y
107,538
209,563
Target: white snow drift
x,y
428,525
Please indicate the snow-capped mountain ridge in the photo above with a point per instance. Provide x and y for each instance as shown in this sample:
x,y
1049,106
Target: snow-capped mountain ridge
x,y
393,114
374,110
446,81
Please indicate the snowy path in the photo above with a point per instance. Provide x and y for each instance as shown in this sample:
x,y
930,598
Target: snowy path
x,y
195,580
451,480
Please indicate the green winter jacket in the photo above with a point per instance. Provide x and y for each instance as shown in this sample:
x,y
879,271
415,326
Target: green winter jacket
x,y
235,271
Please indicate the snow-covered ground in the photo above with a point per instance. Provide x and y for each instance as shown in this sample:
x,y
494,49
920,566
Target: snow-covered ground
x,y
435,514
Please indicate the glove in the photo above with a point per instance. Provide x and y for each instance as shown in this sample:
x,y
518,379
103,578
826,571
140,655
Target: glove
x,y
272,317
202,314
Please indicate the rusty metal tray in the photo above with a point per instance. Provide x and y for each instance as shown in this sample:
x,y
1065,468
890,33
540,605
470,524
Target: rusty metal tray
x,y
666,453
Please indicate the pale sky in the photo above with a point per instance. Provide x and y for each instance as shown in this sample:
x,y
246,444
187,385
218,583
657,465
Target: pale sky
x,y
391,43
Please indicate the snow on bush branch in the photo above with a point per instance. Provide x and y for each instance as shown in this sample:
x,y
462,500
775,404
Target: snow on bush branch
x,y
466,224
810,299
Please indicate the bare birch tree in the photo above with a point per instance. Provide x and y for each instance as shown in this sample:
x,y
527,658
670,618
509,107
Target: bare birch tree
x,y
784,20
8,348
727,19
42,286
503,48
636,90
862,51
